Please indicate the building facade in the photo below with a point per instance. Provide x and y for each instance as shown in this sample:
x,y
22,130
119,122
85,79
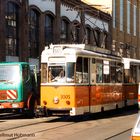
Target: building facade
x,y
27,26
126,28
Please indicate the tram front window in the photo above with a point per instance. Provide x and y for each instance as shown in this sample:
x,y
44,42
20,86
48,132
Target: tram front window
x,y
70,72
56,74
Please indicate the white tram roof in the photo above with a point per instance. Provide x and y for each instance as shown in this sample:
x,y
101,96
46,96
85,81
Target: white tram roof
x,y
128,61
73,50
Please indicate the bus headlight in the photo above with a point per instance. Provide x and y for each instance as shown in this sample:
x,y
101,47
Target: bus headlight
x,y
15,105
56,100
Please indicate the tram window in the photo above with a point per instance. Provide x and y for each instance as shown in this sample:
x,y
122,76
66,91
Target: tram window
x,y
93,72
106,72
79,70
57,74
119,73
113,72
99,71
70,72
82,70
43,73
133,72
85,72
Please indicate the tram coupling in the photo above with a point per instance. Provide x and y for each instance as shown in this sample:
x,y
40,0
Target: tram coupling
x,y
41,112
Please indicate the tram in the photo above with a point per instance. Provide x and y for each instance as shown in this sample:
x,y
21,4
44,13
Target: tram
x,y
75,81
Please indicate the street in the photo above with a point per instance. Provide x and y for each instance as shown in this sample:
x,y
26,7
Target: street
x,y
107,126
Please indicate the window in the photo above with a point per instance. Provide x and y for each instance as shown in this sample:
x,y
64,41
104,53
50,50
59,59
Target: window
x,y
130,75
113,72
64,31
33,34
48,29
106,71
12,29
128,16
76,33
135,19
114,14
82,70
56,74
99,71
25,73
103,40
96,34
44,73
70,72
121,15
119,72
87,35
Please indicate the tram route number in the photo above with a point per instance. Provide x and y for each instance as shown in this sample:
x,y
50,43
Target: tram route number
x,y
65,96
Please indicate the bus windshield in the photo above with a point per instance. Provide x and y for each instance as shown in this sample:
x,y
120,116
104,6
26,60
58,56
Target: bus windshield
x,y
9,73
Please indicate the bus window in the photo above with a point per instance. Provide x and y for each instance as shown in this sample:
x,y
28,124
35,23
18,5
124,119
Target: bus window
x,y
70,72
25,73
99,71
10,73
44,73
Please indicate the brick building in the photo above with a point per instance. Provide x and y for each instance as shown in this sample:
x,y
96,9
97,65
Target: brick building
x,y
126,28
27,26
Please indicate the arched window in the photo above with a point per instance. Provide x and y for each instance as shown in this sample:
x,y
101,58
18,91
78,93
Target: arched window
x,y
33,33
48,29
76,32
103,39
87,35
64,31
12,29
96,34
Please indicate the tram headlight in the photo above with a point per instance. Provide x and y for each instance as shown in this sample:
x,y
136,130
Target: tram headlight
x,y
56,100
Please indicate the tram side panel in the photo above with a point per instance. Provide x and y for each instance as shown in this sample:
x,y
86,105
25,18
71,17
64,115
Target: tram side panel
x,y
131,94
131,80
71,100
106,97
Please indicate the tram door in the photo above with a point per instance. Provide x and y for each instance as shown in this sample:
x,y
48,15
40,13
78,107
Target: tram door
x,y
82,80
92,85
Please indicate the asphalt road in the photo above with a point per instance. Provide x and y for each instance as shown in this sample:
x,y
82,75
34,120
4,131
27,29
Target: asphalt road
x,y
108,126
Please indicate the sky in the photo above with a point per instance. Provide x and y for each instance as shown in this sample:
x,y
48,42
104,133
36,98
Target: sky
x,y
105,5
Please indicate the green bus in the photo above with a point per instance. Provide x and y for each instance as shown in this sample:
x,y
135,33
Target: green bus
x,y
18,88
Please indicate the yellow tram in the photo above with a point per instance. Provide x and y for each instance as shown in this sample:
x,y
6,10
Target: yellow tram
x,y
76,81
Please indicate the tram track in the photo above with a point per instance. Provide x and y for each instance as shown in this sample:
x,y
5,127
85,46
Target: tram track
x,y
37,131
54,124
120,133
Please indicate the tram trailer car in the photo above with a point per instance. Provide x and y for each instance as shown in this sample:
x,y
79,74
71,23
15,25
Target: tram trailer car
x,y
18,88
76,81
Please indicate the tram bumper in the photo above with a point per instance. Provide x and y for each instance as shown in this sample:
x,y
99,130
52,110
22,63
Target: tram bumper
x,y
40,111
